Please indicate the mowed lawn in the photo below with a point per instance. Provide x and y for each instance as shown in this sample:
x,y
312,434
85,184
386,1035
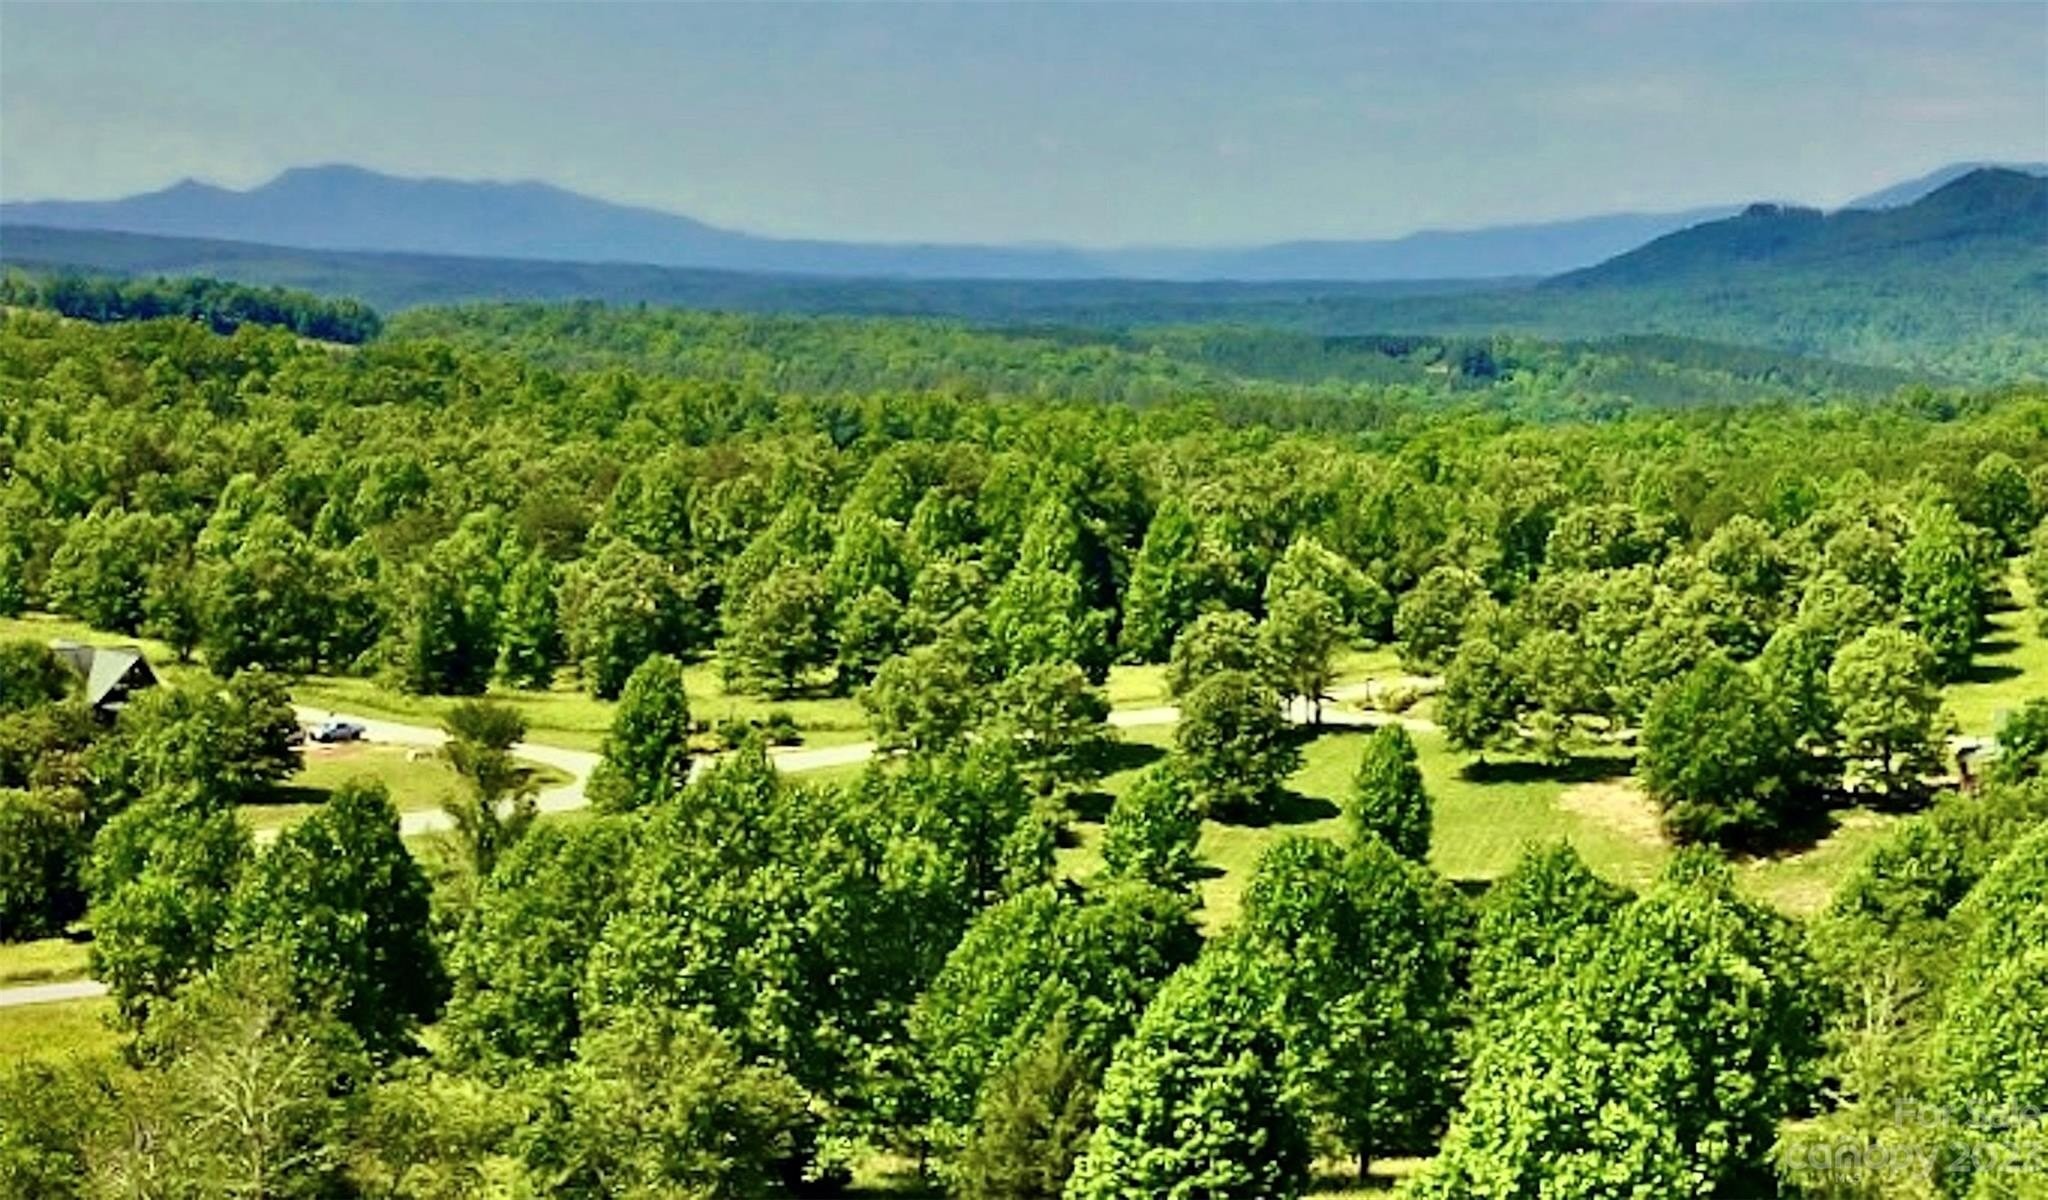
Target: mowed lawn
x,y
54,1032
417,780
1486,814
2011,666
50,960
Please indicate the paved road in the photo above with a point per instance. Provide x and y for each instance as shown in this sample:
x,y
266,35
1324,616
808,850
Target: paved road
x,y
577,765
50,993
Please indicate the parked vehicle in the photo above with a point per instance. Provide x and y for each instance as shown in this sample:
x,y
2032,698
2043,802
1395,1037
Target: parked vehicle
x,y
335,729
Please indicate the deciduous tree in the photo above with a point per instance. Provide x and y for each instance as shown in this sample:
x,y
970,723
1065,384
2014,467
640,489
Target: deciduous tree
x,y
1196,1102
1883,689
1234,746
1718,758
339,899
1152,831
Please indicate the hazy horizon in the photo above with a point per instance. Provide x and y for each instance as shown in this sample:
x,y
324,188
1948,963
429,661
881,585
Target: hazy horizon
x,y
1080,125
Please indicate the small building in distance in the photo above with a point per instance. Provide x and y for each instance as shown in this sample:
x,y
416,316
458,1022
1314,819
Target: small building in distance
x,y
108,674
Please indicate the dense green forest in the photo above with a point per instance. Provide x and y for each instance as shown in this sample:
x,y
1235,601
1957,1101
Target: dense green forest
x,y
726,981
1150,364
223,306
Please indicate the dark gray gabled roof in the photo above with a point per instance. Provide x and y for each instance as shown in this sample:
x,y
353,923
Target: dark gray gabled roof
x,y
105,670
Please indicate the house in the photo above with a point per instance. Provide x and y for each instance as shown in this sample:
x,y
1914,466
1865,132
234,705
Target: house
x,y
110,674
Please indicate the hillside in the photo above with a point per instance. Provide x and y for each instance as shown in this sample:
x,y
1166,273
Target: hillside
x,y
1907,192
1991,219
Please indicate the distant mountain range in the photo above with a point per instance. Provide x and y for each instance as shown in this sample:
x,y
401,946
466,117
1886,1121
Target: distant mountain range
x,y
350,208
1954,284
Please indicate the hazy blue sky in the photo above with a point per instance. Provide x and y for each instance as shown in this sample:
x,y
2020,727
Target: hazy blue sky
x,y
1074,122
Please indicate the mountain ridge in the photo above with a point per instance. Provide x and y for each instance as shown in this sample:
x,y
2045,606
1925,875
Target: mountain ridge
x,y
1986,204
349,208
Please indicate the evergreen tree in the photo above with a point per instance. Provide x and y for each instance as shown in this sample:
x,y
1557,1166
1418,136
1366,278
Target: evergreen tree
x,y
530,638
1387,796
1031,1124
646,753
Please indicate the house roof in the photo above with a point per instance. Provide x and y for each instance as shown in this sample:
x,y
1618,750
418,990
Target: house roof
x,y
105,669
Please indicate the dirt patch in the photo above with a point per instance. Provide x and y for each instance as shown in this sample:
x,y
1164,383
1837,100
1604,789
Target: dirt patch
x,y
1617,805
336,750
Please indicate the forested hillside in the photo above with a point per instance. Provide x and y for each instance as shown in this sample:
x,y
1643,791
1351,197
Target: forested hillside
x,y
1309,371
987,959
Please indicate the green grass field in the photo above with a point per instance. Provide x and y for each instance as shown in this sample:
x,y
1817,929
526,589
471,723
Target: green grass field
x,y
1485,815
50,1032
51,960
416,781
2011,666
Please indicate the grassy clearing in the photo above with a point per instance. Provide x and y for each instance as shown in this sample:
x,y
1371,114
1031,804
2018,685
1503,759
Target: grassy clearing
x,y
416,781
557,717
53,1032
1486,814
1800,884
825,720
51,960
2011,666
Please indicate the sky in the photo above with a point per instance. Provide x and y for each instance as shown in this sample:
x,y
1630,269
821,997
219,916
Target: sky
x,y
1081,123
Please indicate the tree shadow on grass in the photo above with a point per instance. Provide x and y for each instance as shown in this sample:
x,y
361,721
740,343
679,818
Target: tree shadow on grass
x,y
278,795
1472,889
1126,756
1348,1182
1288,808
1091,807
1579,769
1800,833
1986,672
